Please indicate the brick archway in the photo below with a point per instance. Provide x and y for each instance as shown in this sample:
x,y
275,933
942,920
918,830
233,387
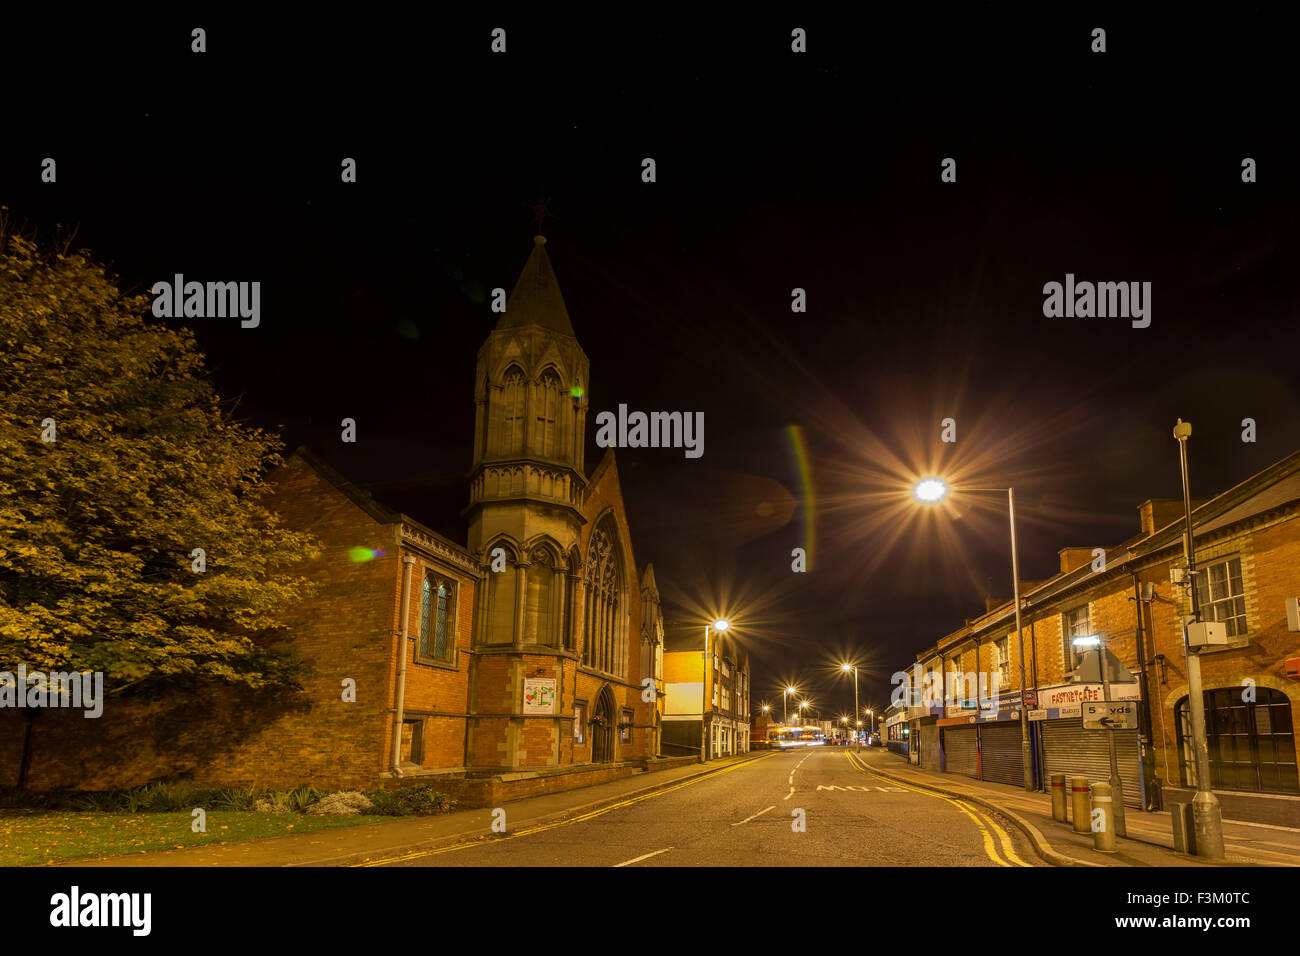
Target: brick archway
x,y
604,726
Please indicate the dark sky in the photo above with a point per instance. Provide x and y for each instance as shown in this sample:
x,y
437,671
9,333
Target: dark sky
x,y
775,171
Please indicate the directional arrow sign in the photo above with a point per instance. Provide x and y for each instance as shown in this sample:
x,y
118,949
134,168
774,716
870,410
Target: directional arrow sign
x,y
1114,715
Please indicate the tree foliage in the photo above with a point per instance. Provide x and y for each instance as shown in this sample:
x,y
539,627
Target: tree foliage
x,y
97,527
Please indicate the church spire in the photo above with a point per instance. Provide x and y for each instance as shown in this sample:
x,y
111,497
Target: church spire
x,y
536,299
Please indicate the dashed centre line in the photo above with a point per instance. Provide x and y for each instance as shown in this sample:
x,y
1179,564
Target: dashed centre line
x,y
758,814
646,856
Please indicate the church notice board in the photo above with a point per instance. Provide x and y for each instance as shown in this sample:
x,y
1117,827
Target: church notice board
x,y
539,695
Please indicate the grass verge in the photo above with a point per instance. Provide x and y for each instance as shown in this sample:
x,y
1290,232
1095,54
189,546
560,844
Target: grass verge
x,y
31,838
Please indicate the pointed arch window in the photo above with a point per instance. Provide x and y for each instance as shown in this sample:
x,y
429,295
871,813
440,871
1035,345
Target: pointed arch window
x,y
605,614
540,610
437,618
501,602
512,411
546,412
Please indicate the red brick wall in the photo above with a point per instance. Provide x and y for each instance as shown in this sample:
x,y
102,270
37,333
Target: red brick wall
x,y
436,691
224,736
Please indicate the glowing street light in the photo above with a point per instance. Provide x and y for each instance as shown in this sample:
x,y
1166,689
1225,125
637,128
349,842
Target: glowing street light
x,y
720,625
856,711
785,700
932,490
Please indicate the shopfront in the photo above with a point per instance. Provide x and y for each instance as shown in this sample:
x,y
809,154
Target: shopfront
x,y
1068,747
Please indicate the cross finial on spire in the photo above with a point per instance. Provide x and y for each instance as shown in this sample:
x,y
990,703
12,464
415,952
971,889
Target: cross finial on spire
x,y
541,209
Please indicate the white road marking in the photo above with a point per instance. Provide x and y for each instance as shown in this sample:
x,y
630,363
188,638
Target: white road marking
x,y
758,814
644,856
790,779
789,795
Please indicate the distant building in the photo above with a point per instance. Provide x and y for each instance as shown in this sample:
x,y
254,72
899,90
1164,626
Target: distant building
x,y
704,702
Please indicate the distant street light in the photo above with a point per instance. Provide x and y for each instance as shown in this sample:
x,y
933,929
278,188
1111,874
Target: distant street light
x,y
720,625
856,711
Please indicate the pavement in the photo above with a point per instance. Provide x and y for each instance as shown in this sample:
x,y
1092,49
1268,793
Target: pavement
x,y
1149,839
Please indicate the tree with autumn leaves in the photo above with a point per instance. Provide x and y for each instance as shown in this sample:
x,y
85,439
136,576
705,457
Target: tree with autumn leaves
x,y
118,460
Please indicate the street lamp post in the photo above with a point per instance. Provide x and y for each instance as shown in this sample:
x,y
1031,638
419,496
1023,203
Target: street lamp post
x,y
856,711
1025,760
1207,818
932,490
720,625
785,701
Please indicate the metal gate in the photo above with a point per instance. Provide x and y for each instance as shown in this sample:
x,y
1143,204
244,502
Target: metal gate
x,y
959,749
1071,750
930,746
1000,758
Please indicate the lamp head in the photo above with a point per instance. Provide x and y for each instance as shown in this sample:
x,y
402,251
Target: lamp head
x,y
930,490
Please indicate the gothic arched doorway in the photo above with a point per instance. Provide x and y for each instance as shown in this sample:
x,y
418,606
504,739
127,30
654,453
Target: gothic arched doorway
x,y
603,727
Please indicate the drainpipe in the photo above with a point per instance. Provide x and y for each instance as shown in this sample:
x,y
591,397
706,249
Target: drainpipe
x,y
1149,798
409,561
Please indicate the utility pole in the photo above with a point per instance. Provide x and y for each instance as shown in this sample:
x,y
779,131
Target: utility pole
x,y
1207,818
705,680
1025,760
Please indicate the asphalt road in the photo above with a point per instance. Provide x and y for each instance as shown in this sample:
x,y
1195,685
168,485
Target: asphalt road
x,y
815,807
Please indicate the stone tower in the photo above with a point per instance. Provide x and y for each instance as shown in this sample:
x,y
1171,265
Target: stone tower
x,y
527,484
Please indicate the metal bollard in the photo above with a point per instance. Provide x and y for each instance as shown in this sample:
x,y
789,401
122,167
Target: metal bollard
x,y
1184,828
1058,798
1103,818
1079,804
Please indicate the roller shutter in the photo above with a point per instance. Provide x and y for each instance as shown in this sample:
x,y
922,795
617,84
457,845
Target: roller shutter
x,y
959,750
1071,750
929,757
1000,757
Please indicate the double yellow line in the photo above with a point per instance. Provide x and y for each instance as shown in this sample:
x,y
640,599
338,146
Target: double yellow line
x,y
529,831
981,819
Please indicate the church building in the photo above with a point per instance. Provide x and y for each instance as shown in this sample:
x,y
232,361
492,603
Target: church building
x,y
524,660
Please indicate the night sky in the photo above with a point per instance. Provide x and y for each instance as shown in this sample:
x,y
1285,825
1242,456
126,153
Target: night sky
x,y
775,171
